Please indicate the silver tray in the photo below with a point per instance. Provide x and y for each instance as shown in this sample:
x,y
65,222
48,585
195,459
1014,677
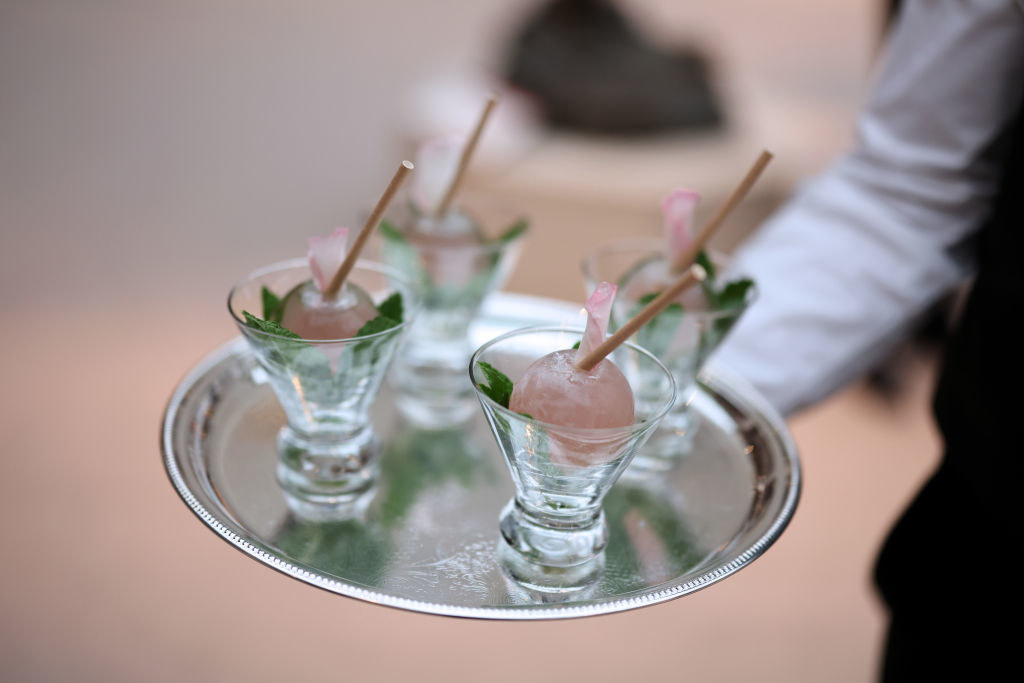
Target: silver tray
x,y
427,539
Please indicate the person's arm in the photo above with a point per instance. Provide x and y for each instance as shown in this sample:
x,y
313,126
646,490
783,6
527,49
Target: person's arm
x,y
846,265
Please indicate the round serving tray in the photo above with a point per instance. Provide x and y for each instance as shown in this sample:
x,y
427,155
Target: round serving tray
x,y
426,539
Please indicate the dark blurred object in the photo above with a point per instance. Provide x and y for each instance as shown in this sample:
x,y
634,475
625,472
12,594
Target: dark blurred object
x,y
927,338
591,71
892,8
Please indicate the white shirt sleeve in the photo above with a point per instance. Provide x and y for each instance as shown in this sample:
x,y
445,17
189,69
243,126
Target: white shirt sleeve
x,y
861,250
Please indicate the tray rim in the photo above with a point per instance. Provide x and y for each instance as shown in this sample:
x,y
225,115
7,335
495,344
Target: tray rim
x,y
721,381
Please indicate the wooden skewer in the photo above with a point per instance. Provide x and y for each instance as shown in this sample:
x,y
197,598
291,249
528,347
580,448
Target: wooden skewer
x,y
364,234
693,275
467,152
690,255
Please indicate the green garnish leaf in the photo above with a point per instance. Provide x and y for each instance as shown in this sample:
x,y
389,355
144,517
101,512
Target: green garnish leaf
x,y
576,346
389,230
498,387
708,284
272,308
514,231
392,307
657,335
646,299
526,415
375,325
734,294
704,261
268,326
381,323
278,350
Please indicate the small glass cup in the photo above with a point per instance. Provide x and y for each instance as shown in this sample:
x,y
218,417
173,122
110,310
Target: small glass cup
x,y
455,267
554,522
682,337
326,387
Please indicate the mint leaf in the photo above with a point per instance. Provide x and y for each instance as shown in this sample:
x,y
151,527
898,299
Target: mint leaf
x,y
657,335
392,307
734,294
375,325
272,308
283,351
644,300
514,231
576,346
389,230
498,387
268,326
381,323
390,316
704,261
526,415
732,297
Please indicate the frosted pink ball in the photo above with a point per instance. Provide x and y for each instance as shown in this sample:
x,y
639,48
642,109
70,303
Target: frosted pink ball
x,y
450,259
553,390
309,316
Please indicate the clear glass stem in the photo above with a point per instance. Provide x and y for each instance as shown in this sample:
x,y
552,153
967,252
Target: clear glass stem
x,y
429,374
327,469
554,540
668,446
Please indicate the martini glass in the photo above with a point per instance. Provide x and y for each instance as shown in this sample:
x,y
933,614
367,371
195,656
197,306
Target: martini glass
x,y
682,336
325,386
553,528
455,267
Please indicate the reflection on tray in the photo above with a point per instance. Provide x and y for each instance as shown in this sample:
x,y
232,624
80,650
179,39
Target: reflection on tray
x,y
360,548
649,539
416,459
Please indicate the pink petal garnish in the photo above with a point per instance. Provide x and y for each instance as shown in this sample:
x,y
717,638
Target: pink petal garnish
x,y
599,309
325,256
678,209
436,163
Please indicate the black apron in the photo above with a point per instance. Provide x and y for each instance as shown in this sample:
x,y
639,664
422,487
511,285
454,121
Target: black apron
x,y
945,570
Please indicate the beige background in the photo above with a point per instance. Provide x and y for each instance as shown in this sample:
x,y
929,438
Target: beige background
x,y
153,152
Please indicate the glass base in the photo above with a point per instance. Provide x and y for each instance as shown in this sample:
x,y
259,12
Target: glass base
x,y
668,446
549,542
346,508
433,395
326,470
533,583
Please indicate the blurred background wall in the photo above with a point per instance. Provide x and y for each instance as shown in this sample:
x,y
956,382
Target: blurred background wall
x,y
151,153
220,134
